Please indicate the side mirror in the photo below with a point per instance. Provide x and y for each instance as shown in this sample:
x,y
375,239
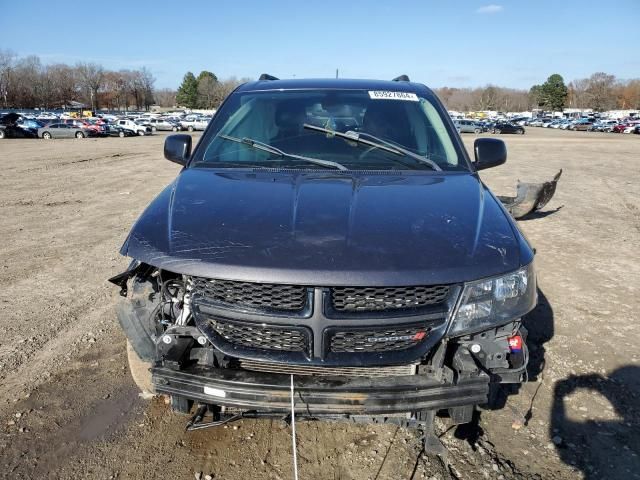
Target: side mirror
x,y
177,148
489,152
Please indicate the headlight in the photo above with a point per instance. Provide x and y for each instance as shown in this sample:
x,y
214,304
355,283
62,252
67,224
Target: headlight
x,y
495,301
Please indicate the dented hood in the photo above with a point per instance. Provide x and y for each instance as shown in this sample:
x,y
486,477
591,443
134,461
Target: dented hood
x,y
328,228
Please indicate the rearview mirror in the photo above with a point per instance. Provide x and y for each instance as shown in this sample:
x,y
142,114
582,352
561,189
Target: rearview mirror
x,y
489,152
177,148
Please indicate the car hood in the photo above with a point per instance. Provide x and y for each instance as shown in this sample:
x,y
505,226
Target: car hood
x,y
327,228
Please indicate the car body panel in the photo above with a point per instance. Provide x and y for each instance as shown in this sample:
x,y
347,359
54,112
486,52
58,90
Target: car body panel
x,y
327,228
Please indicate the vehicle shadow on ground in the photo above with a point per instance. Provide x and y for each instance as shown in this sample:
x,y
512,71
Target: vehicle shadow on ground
x,y
540,214
540,327
605,447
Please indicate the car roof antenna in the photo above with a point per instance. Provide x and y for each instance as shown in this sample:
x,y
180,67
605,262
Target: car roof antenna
x,y
401,78
266,76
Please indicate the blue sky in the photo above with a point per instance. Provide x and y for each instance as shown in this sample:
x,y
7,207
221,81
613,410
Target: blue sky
x,y
512,43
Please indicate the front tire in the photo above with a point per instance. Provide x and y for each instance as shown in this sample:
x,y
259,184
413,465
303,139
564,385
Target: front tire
x,y
46,136
121,134
190,128
154,129
140,371
141,133
175,129
2,134
79,135
497,130
477,131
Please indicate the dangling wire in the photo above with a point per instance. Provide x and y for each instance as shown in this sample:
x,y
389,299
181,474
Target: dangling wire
x,y
293,435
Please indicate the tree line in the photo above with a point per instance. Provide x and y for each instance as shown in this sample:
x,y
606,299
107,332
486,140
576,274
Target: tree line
x,y
205,90
28,83
600,91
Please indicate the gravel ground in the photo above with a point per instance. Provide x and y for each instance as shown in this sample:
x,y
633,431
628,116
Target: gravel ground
x,y
68,408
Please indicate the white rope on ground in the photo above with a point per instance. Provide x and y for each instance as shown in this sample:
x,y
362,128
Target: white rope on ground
x,y
293,435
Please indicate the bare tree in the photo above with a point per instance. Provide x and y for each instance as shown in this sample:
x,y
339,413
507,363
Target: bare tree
x,y
224,88
7,59
64,84
91,78
165,97
146,82
600,91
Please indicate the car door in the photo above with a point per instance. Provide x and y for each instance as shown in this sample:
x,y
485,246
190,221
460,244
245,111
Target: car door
x,y
56,129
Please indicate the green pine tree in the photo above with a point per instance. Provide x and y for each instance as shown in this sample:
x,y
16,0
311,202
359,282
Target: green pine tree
x,y
553,93
187,95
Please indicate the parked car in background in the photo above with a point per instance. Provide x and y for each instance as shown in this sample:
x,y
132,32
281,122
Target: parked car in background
x,y
507,127
62,130
603,126
199,123
162,124
468,126
131,125
581,125
11,127
117,131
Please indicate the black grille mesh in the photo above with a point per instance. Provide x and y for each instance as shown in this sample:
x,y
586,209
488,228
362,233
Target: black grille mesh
x,y
367,299
269,337
378,340
261,296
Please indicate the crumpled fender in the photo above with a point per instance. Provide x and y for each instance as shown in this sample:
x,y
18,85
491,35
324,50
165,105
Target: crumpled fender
x,y
530,197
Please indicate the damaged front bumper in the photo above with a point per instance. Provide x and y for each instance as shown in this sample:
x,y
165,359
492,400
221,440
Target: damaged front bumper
x,y
530,197
320,396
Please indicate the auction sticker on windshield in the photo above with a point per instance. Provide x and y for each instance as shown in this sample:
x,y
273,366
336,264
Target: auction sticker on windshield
x,y
386,95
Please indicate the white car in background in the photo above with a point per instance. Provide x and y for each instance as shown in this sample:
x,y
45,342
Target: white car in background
x,y
133,126
199,123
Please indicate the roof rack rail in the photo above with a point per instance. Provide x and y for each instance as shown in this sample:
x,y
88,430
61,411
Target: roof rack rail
x,y
266,76
401,78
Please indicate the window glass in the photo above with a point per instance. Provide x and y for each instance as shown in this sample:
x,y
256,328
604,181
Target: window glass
x,y
282,119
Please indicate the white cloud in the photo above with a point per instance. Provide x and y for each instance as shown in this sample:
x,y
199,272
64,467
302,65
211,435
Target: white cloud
x,y
490,9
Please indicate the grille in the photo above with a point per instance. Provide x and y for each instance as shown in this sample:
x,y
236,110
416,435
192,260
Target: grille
x,y
367,299
260,296
267,337
392,371
387,340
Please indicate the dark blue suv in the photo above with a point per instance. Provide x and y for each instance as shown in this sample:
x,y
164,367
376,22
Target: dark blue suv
x,y
328,241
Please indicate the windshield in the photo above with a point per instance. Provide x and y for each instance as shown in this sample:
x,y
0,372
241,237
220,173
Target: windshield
x,y
356,130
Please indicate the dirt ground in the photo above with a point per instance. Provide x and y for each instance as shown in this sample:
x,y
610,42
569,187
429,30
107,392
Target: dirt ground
x,y
68,408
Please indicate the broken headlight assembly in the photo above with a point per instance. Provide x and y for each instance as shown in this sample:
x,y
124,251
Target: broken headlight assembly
x,y
495,301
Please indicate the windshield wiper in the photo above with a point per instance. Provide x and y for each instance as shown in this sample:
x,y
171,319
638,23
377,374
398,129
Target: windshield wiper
x,y
376,143
276,151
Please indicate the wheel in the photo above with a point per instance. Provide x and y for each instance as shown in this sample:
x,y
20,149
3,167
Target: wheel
x,y
79,135
522,132
121,134
141,133
175,129
2,134
477,130
190,128
181,404
139,371
46,136
154,129
497,130
493,131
